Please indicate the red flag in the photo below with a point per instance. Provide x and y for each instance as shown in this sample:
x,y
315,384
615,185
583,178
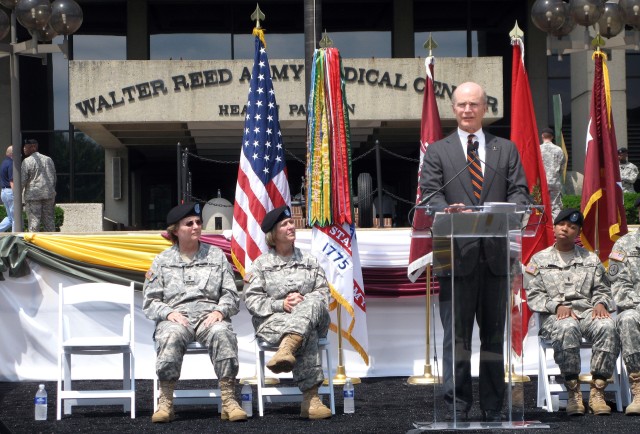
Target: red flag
x,y
524,133
602,200
430,131
262,176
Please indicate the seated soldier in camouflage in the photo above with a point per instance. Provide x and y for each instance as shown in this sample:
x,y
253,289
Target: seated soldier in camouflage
x,y
624,274
288,296
568,285
191,294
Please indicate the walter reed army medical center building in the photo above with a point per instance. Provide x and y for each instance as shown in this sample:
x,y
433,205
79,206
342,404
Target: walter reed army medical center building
x,y
144,75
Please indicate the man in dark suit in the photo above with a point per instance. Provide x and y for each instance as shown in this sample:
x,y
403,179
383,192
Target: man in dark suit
x,y
481,282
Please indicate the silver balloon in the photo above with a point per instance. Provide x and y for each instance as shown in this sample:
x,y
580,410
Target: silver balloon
x,y
568,25
33,14
631,12
5,24
548,15
9,4
45,34
586,12
66,16
610,23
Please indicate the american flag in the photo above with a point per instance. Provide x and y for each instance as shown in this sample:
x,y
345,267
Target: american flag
x,y
262,175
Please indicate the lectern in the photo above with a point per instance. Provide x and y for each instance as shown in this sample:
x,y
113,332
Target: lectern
x,y
484,236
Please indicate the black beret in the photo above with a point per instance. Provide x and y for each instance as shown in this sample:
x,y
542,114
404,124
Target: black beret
x,y
623,151
547,131
570,214
274,216
637,202
179,212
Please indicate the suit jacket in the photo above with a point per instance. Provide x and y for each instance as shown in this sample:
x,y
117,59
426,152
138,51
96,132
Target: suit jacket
x,y
504,181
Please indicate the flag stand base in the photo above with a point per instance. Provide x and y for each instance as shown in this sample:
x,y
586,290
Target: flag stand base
x,y
341,378
515,378
426,378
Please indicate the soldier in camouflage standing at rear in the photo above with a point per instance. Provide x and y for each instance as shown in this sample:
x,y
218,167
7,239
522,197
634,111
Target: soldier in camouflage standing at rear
x,y
624,273
38,174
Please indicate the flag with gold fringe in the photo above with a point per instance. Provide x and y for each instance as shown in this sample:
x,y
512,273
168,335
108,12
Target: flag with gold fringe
x,y
602,200
329,198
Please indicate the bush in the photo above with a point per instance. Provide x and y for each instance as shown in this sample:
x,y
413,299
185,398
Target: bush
x,y
573,201
58,217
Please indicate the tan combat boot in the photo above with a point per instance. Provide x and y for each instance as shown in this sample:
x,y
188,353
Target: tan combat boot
x,y
312,406
231,410
596,398
165,411
575,407
284,359
634,407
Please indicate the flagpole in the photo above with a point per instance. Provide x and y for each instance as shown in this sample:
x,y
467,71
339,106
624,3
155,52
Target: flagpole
x,y
341,374
426,377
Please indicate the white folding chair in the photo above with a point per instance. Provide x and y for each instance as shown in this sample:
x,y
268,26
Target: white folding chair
x,y
190,396
546,389
79,308
288,393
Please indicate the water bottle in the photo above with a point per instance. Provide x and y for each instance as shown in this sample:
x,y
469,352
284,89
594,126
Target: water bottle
x,y
348,395
41,403
247,399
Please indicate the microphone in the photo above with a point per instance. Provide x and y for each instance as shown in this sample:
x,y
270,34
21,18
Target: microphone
x,y
443,186
473,148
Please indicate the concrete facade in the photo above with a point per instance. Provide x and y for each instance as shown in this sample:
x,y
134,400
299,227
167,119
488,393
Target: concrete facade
x,y
215,91
208,98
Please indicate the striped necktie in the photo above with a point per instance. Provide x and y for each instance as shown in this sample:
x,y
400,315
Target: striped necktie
x,y
475,169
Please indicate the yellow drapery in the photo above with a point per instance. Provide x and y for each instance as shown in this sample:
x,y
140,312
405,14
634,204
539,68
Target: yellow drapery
x,y
126,251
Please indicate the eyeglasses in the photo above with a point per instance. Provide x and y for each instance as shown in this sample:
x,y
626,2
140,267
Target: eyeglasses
x,y
190,223
471,105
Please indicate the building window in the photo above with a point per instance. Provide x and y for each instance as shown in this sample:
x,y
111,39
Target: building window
x,y
190,46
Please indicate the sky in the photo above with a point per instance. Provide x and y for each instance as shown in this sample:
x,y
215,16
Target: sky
x,y
218,47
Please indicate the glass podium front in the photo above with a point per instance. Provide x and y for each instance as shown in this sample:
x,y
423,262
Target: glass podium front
x,y
477,259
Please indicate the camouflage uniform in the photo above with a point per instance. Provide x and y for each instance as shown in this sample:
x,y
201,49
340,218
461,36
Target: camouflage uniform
x,y
628,175
580,285
271,279
624,273
553,159
39,183
194,289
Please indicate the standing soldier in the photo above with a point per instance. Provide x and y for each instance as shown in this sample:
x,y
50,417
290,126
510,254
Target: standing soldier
x,y
553,159
624,273
39,183
628,171
568,285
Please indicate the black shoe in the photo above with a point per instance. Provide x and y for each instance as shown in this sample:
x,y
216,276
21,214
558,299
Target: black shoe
x,y
491,416
461,415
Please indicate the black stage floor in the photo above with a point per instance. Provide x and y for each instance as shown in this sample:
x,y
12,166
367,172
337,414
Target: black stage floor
x,y
383,405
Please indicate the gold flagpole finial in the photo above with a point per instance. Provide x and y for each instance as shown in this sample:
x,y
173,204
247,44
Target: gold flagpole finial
x,y
598,42
257,15
326,41
516,32
430,45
